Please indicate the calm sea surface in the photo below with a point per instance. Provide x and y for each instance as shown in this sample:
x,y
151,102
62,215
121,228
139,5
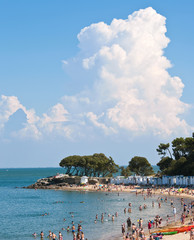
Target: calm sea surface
x,y
21,209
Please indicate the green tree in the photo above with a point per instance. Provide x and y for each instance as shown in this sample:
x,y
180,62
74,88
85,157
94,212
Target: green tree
x,y
164,164
140,166
181,161
90,165
163,149
125,171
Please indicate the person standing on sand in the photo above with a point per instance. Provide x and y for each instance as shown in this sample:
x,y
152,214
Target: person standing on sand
x,y
140,223
174,212
192,234
149,226
182,218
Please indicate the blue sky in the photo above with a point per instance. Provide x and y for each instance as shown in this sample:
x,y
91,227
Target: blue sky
x,y
75,81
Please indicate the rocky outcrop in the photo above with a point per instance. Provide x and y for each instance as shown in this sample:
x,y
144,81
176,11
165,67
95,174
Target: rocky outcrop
x,y
63,180
55,182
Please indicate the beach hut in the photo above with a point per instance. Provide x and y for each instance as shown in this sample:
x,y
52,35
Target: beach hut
x,y
173,182
184,181
181,180
191,180
84,180
159,181
177,180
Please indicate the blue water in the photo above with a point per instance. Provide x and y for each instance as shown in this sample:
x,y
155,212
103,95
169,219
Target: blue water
x,y
21,209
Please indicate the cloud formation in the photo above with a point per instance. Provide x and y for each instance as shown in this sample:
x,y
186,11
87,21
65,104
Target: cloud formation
x,y
132,88
126,85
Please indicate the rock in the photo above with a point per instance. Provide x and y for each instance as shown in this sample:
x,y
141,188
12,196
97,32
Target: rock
x,y
93,181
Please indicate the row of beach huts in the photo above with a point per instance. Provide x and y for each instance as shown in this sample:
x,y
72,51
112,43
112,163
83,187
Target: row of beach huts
x,y
183,181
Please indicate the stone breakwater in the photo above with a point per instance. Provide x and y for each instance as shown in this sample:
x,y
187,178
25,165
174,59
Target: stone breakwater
x,y
60,182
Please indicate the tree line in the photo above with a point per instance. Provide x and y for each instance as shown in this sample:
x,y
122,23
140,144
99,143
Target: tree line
x,y
95,165
176,159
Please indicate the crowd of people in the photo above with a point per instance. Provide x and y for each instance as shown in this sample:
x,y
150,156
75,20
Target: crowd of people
x,y
136,231
142,230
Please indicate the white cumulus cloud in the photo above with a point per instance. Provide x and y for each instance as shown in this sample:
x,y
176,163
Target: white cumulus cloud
x,y
121,74
131,85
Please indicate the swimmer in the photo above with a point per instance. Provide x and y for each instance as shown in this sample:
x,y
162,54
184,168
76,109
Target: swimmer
x,y
42,235
34,234
54,237
82,236
60,236
73,229
50,235
74,236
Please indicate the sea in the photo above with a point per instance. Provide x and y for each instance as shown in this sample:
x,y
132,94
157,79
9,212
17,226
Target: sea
x,y
27,211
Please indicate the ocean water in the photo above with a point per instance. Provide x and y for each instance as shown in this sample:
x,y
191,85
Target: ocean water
x,y
22,210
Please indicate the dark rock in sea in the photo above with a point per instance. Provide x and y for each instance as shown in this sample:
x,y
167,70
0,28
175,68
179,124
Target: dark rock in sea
x,y
64,180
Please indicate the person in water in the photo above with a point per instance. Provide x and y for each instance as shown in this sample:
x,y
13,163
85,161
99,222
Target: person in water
x,y
60,236
42,235
82,236
73,229
34,234
54,237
